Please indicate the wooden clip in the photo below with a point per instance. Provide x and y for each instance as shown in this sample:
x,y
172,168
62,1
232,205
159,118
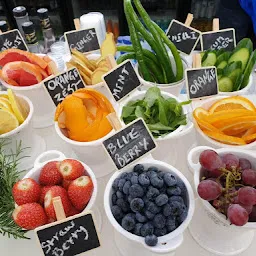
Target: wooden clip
x,y
189,19
53,67
77,24
114,121
111,62
216,24
58,208
197,60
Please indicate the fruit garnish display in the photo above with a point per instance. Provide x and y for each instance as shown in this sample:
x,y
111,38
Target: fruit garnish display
x,y
92,71
234,68
228,183
162,115
83,115
155,65
67,179
12,112
149,202
230,120
22,68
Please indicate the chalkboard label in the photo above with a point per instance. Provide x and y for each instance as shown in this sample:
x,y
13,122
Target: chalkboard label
x,y
129,144
185,38
122,80
72,236
83,40
12,39
216,40
201,82
60,86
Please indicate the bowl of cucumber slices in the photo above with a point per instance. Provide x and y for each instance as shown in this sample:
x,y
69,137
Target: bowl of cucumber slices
x,y
234,68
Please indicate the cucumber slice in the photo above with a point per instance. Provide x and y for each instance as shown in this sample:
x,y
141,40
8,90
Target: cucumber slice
x,y
244,43
225,84
219,77
223,64
220,52
238,83
203,58
242,55
210,60
224,56
202,55
235,74
248,69
231,67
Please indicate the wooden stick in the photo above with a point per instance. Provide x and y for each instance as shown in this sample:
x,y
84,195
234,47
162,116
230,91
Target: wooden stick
x,y
114,121
111,61
197,61
189,19
77,24
58,208
53,67
216,24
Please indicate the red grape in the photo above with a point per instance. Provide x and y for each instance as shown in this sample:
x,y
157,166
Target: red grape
x,y
237,215
244,164
248,208
209,190
249,177
230,160
252,215
247,195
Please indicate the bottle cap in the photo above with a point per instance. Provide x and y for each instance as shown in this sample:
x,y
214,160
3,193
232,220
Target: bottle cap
x,y
19,11
42,13
3,26
28,27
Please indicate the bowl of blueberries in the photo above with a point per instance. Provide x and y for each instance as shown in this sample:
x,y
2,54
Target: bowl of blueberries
x,y
149,204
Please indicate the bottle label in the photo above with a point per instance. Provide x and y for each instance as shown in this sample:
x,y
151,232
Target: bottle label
x,y
31,38
45,23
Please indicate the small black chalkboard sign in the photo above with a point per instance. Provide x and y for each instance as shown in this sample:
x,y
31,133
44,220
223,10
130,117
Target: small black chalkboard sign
x,y
60,86
69,237
129,144
12,39
185,38
221,39
83,40
201,82
122,80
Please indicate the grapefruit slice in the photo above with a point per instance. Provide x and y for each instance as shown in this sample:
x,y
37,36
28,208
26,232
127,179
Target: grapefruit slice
x,y
12,55
8,121
8,80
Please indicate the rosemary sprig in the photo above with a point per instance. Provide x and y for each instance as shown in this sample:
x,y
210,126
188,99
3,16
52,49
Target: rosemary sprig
x,y
9,175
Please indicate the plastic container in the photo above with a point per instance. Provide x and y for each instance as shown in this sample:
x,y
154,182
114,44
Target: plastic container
x,y
169,146
210,228
25,134
130,244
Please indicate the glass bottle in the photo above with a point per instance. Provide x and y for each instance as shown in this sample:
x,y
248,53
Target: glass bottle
x,y
48,33
30,36
20,14
3,26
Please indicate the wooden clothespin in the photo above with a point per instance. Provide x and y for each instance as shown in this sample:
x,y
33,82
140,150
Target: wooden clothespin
x,y
58,208
189,19
114,121
197,60
77,24
216,24
111,61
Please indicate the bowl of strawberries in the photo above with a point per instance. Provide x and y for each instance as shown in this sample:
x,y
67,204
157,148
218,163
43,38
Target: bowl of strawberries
x,y
53,175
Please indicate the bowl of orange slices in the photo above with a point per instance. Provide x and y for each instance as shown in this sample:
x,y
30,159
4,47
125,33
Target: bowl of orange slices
x,y
226,122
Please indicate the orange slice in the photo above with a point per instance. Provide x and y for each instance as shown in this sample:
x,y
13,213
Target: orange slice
x,y
206,126
230,103
200,113
226,124
238,129
250,131
249,138
231,140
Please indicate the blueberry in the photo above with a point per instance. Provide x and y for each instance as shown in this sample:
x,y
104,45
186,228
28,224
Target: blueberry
x,y
139,168
171,223
149,215
153,169
167,210
119,194
136,191
182,186
160,231
121,184
157,181
173,191
159,221
140,217
132,215
137,204
126,187
129,199
115,184
151,174
128,223
151,240
146,200
163,189
176,198
144,179
152,207
123,175
137,229
169,179
129,175
182,217
117,212
161,174
123,204
161,200
134,179
177,208
114,199
152,193
147,229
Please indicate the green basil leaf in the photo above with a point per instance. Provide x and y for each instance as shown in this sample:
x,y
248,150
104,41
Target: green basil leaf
x,y
127,111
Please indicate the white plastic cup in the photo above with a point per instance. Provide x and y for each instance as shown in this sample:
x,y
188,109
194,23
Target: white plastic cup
x,y
211,229
32,144
130,244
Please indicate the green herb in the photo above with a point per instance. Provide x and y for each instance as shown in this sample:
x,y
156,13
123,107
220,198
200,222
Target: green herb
x,y
9,175
161,115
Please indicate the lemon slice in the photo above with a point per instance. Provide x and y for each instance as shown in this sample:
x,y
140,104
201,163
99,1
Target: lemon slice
x,y
8,121
5,96
6,104
18,110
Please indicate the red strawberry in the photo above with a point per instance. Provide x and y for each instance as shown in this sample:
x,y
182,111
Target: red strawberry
x,y
66,183
44,190
26,191
71,169
73,211
80,191
29,216
50,174
55,191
